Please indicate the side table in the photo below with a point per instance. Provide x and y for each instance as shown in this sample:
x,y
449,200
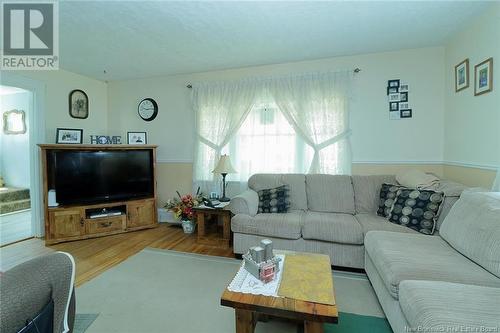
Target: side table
x,y
203,214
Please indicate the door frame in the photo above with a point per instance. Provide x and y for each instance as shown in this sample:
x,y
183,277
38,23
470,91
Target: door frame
x,y
36,125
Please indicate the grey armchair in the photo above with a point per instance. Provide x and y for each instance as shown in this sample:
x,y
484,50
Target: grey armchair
x,y
28,288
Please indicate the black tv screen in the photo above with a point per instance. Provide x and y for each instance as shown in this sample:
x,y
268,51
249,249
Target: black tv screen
x,y
87,177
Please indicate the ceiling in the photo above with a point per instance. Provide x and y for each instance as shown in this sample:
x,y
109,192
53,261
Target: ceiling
x,y
136,39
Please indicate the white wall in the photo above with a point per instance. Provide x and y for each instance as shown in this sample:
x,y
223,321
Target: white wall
x,y
472,131
14,148
375,137
58,85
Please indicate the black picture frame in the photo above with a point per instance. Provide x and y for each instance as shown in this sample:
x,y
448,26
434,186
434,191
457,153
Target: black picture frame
x,y
74,105
60,136
131,142
393,83
404,105
392,90
403,97
393,106
407,113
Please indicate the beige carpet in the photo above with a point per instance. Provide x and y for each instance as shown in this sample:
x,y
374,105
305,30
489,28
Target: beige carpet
x,y
166,291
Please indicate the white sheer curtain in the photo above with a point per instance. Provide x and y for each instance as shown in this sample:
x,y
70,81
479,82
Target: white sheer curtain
x,y
316,105
220,109
265,143
288,124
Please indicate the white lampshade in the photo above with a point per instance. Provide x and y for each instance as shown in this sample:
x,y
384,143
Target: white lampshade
x,y
224,165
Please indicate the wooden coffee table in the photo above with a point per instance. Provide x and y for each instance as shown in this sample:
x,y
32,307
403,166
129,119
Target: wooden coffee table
x,y
249,307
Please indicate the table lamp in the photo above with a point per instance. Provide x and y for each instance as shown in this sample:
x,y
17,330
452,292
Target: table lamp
x,y
224,167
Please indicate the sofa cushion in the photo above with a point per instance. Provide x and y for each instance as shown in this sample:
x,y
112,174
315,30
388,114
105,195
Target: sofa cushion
x,y
367,190
452,192
400,257
372,222
297,183
274,200
287,225
332,227
472,227
330,193
449,307
446,207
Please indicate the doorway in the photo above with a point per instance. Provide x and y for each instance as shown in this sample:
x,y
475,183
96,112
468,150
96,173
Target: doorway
x,y
15,164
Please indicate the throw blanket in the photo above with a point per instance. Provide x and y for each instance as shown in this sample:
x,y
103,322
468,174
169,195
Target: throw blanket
x,y
417,179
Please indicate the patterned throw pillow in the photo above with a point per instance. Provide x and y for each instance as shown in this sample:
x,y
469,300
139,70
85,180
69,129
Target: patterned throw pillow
x,y
388,193
417,209
274,200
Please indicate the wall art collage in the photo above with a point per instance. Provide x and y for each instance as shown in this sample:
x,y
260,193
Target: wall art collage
x,y
397,94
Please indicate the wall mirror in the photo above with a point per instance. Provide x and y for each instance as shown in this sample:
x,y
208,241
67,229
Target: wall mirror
x,y
14,122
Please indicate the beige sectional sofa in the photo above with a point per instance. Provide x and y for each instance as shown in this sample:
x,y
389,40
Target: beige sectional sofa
x,y
445,283
329,214
449,282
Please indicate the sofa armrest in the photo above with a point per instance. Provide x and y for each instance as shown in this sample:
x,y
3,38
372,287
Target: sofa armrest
x,y
245,203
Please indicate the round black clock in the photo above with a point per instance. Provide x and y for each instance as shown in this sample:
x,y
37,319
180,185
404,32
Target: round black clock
x,y
148,109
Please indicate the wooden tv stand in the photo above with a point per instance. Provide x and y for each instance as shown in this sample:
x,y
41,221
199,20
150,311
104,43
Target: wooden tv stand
x,y
68,223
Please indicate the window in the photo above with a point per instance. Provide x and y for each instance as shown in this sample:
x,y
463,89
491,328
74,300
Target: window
x,y
267,143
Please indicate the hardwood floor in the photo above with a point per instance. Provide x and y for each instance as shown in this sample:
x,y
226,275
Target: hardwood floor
x,y
15,227
94,256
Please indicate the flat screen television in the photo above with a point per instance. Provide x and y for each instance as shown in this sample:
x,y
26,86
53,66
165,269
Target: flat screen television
x,y
89,177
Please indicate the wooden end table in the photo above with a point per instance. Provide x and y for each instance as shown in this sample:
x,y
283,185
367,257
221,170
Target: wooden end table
x,y
202,217
248,308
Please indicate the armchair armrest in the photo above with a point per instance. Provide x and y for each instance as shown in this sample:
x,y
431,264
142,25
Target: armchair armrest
x,y
245,203
27,288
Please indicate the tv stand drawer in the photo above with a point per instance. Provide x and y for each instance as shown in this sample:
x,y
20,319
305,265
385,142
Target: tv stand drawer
x,y
105,225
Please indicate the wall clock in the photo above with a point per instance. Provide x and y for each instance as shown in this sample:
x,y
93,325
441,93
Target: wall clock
x,y
147,109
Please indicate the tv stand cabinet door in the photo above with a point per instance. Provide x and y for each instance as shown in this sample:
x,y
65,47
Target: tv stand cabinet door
x,y
140,214
66,223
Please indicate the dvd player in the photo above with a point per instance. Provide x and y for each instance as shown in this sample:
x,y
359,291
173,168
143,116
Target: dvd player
x,y
105,214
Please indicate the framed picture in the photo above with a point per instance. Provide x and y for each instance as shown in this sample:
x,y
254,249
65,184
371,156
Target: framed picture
x,y
462,75
78,104
137,138
392,90
69,135
393,83
403,97
394,97
404,87
483,77
393,106
406,113
404,105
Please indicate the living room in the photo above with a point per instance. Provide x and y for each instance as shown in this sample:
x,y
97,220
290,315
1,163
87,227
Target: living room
x,y
317,103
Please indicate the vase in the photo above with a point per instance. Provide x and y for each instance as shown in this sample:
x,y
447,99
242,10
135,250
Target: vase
x,y
188,226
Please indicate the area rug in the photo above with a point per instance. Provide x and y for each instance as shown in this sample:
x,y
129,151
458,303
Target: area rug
x,y
83,321
166,291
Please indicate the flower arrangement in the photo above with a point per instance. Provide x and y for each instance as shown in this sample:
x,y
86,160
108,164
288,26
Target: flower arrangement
x,y
182,207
